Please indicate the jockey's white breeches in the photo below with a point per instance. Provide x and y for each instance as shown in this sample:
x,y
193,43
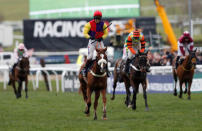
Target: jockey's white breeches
x,y
92,47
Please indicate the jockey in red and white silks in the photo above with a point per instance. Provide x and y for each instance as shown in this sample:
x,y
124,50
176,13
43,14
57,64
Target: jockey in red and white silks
x,y
185,43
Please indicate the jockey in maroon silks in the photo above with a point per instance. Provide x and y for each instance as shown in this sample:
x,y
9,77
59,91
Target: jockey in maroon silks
x,y
95,31
185,43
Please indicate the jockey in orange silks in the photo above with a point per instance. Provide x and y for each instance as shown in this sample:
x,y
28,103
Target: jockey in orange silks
x,y
135,41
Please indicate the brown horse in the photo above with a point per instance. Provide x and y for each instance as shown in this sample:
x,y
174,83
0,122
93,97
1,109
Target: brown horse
x,y
138,76
21,72
96,81
121,76
185,73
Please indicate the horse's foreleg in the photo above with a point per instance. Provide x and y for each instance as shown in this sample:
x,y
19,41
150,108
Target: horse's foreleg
x,y
186,84
19,88
104,100
89,92
114,88
134,85
14,87
127,87
26,88
97,95
180,95
189,90
175,89
145,96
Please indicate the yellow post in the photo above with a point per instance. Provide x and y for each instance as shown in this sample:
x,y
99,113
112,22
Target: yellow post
x,y
166,25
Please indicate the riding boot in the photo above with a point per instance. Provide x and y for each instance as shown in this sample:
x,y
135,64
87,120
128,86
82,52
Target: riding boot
x,y
85,68
12,72
127,66
177,62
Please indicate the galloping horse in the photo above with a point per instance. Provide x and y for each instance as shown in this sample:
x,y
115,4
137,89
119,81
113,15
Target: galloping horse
x,y
138,76
21,72
121,76
185,73
96,81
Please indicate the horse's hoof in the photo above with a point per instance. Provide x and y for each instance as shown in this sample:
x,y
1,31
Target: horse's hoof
x,y
26,97
104,118
112,98
134,107
95,118
147,109
129,106
189,98
175,94
180,97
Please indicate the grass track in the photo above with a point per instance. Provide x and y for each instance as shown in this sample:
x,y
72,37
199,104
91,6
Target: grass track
x,y
64,111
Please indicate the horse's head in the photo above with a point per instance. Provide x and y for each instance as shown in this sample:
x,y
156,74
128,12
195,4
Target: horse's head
x,y
192,57
101,59
24,64
141,61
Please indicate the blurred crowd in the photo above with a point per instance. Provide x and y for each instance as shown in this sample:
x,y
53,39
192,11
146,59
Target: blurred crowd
x,y
165,57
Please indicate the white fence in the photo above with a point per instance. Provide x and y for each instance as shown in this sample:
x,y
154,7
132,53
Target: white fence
x,y
69,75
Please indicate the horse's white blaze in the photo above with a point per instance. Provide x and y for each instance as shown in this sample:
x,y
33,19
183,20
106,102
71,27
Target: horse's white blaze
x,y
102,61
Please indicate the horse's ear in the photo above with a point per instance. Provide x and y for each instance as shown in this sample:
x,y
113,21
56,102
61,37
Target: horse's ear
x,y
105,49
97,50
146,52
195,50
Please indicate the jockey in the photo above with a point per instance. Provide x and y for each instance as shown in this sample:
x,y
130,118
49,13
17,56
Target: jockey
x,y
133,42
185,42
95,30
19,52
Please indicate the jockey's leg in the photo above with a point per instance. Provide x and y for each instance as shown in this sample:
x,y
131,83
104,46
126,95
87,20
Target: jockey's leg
x,y
91,48
127,65
12,72
128,61
177,62
85,68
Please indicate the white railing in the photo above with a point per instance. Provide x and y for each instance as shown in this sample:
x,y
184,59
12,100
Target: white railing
x,y
69,71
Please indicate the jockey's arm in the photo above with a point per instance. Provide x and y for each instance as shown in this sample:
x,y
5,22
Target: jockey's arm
x,y
191,46
142,41
129,45
25,53
86,30
181,46
105,30
15,54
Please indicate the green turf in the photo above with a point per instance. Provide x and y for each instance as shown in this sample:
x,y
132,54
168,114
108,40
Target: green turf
x,y
64,111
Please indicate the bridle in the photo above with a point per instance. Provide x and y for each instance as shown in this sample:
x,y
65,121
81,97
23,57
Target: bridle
x,y
101,63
